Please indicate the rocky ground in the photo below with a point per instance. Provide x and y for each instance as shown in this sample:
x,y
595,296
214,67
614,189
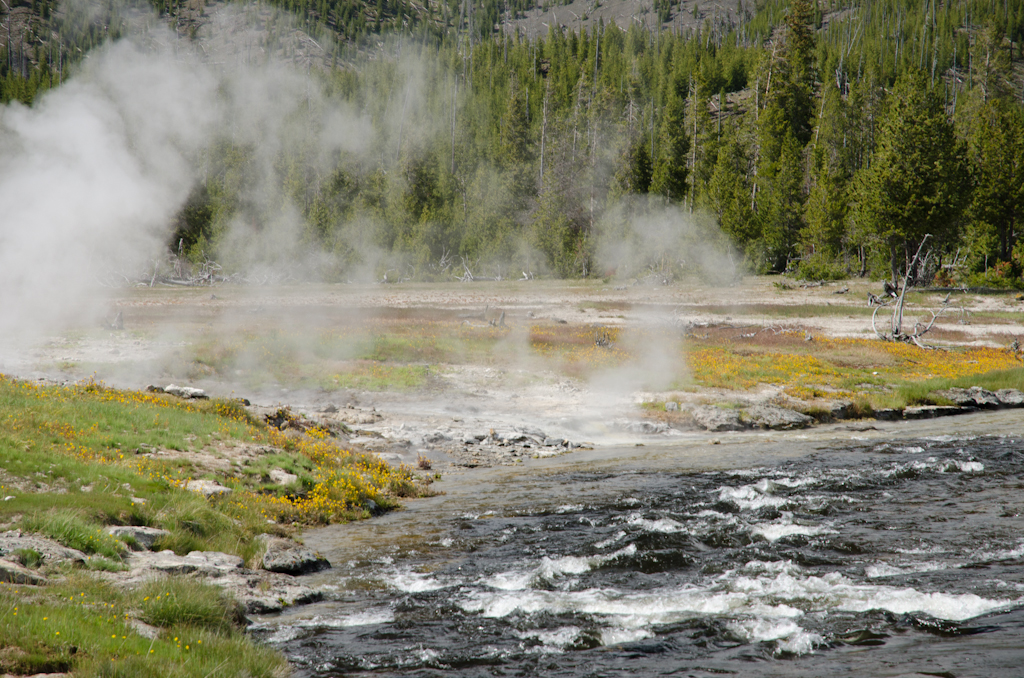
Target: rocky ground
x,y
268,585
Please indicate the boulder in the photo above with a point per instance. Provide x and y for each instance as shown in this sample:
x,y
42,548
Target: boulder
x,y
143,536
287,557
718,419
259,592
207,488
641,427
186,392
840,409
974,396
282,477
1010,397
266,592
777,418
13,573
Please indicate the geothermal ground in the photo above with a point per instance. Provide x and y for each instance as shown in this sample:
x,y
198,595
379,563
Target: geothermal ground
x,y
490,373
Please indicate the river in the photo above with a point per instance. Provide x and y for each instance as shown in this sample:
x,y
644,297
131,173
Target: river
x,y
874,549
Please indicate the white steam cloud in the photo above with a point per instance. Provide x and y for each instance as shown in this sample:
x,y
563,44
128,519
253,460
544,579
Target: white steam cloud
x,y
91,176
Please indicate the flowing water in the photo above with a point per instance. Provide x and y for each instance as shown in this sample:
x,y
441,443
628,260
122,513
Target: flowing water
x,y
883,553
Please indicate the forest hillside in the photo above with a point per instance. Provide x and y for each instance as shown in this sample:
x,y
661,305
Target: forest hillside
x,y
511,138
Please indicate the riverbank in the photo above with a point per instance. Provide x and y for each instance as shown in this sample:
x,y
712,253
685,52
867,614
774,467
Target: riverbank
x,y
163,522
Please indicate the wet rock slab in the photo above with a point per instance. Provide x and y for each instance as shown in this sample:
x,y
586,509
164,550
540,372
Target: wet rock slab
x,y
718,419
934,411
287,557
777,418
259,591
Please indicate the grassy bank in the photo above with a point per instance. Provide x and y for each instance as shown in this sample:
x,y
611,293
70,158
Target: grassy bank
x,y
85,626
75,459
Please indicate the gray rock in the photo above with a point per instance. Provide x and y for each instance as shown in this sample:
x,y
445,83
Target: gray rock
x,y
971,397
1010,397
287,557
435,438
933,411
13,573
143,629
777,418
888,414
186,392
260,592
207,563
718,419
51,552
207,488
671,406
282,477
143,536
266,592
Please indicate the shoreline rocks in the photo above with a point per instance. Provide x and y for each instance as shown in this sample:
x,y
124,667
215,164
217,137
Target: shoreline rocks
x,y
730,416
260,591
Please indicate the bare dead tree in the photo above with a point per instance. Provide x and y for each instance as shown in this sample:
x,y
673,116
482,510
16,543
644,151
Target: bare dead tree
x,y
896,331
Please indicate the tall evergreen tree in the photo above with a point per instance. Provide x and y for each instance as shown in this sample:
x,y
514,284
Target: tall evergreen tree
x,y
917,183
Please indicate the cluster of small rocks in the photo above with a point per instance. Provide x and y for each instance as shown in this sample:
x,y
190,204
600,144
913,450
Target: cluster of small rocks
x,y
269,588
497,447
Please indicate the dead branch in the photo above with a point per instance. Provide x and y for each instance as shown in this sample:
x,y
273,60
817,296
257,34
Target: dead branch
x,y
896,332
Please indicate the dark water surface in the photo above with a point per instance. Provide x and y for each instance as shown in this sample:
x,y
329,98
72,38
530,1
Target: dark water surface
x,y
886,553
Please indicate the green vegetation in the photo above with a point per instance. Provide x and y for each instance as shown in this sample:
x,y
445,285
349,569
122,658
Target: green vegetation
x,y
78,458
923,393
87,627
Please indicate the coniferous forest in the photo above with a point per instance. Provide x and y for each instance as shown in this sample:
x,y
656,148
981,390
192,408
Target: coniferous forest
x,y
826,138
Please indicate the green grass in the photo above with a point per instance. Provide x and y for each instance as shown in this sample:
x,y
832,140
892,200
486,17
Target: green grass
x,y
375,376
386,354
85,626
171,602
72,459
67,527
924,393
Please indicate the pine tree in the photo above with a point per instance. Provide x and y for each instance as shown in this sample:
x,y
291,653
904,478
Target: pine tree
x,y
670,168
917,183
996,151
